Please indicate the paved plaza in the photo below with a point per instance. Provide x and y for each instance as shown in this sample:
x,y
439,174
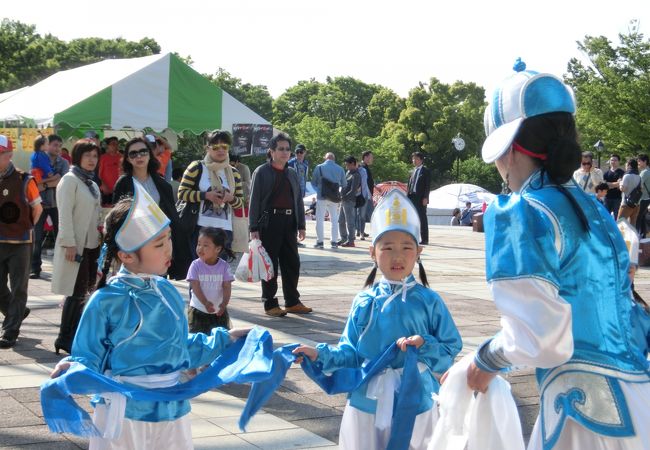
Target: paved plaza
x,y
299,415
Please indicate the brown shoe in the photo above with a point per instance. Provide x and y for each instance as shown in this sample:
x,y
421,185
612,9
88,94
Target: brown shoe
x,y
298,309
276,312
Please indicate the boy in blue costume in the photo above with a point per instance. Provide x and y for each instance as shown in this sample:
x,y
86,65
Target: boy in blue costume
x,y
396,309
558,270
134,329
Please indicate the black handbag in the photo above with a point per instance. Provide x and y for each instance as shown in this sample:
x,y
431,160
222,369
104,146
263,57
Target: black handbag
x,y
188,214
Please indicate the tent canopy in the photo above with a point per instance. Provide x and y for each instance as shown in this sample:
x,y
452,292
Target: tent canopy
x,y
158,92
443,200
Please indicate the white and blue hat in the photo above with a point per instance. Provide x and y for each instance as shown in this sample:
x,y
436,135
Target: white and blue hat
x,y
525,94
395,212
143,223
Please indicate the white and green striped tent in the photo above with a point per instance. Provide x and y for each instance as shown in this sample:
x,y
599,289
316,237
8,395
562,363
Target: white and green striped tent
x,y
159,92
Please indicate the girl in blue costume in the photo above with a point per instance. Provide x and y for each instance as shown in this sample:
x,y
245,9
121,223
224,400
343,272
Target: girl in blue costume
x,y
134,329
396,309
557,267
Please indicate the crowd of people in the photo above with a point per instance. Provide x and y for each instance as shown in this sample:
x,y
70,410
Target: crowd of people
x,y
568,314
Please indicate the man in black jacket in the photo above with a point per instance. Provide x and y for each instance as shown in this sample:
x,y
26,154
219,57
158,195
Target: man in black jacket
x,y
276,216
418,192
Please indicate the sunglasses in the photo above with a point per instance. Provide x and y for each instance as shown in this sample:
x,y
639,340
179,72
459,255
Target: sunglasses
x,y
219,146
138,153
586,164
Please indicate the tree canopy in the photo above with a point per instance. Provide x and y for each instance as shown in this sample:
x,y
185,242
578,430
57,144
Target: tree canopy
x,y
27,57
613,91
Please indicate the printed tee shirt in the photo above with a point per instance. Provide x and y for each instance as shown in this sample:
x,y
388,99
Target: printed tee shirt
x,y
211,279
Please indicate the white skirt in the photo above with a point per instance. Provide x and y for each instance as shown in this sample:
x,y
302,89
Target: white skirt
x,y
136,434
358,430
575,436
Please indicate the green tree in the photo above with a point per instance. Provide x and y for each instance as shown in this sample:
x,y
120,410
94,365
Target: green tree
x,y
28,57
613,91
474,171
256,97
434,114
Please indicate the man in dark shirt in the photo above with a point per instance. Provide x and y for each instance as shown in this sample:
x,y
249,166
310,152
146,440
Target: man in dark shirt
x,y
276,216
613,177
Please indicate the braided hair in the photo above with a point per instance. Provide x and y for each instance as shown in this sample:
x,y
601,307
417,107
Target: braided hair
x,y
555,136
370,280
114,221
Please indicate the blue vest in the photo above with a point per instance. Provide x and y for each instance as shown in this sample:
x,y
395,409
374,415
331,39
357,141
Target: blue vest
x,y
537,234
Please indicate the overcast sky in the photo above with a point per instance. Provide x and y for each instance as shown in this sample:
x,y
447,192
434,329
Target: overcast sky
x,y
393,43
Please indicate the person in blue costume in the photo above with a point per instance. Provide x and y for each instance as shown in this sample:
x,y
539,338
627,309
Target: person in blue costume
x,y
135,330
557,267
395,309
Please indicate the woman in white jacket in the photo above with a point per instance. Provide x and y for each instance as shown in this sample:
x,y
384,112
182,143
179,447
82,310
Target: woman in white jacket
x,y
77,244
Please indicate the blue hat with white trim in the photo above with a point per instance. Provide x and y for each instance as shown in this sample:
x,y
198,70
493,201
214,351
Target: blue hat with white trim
x,y
525,94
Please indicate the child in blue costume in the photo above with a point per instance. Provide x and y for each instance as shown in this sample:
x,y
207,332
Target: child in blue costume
x,y
396,309
557,267
134,329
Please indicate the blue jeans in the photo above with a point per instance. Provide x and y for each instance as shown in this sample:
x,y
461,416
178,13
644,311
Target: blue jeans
x,y
361,218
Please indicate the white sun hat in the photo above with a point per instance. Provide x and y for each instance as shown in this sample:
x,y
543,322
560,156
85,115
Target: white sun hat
x,y
395,212
525,94
143,223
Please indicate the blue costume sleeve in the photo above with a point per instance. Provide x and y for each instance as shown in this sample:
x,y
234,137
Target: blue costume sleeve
x,y
91,343
203,349
345,353
520,241
440,349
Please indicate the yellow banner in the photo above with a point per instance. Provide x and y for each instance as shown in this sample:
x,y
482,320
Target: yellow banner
x,y
25,136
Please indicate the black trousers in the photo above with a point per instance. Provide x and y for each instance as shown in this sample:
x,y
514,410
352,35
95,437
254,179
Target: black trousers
x,y
422,214
640,221
280,242
14,269
39,233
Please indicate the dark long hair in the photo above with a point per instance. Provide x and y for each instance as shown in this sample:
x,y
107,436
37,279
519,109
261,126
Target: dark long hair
x,y
127,167
555,135
114,221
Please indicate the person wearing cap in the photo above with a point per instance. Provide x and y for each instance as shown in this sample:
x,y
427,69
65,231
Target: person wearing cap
x,y
418,189
557,267
396,310
20,209
277,218
109,169
134,330
77,245
301,166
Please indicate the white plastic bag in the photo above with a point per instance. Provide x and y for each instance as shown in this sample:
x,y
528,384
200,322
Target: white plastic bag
x,y
488,421
255,265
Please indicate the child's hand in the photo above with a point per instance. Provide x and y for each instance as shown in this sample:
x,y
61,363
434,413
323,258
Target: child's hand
x,y
61,367
236,333
477,379
416,340
209,307
305,350
222,309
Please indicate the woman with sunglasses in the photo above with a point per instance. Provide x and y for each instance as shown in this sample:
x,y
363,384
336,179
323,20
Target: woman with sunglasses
x,y
140,163
587,176
215,186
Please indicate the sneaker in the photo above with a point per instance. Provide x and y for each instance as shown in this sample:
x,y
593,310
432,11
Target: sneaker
x,y
300,244
341,241
348,244
363,238
366,235
318,245
298,309
35,275
335,245
275,312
